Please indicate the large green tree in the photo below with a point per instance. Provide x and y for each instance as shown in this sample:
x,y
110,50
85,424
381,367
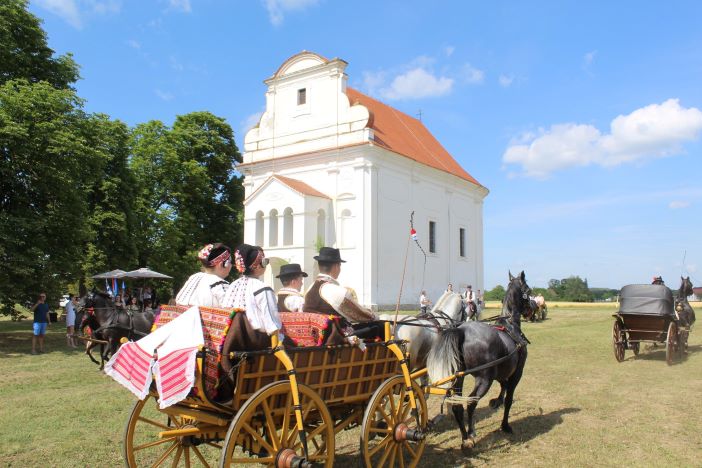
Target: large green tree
x,y
24,52
111,222
188,193
46,164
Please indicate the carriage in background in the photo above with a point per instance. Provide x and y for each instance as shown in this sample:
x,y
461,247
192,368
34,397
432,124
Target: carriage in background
x,y
647,314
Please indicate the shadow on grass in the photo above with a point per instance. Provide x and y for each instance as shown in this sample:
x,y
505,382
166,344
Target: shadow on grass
x,y
18,343
525,430
657,353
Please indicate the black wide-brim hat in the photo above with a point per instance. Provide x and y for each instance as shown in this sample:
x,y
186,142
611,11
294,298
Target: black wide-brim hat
x,y
291,269
329,255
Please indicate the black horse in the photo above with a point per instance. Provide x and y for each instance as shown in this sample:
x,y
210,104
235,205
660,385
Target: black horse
x,y
111,324
488,353
685,311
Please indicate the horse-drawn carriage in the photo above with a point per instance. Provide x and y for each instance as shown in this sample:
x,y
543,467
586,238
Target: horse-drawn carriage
x,y
648,314
283,407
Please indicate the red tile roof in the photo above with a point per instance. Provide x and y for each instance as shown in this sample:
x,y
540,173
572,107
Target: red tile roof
x,y
299,186
407,136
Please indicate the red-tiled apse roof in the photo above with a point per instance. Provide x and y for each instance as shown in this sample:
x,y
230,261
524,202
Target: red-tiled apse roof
x,y
407,136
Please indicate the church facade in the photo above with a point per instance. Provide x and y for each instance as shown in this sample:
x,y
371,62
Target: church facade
x,y
328,165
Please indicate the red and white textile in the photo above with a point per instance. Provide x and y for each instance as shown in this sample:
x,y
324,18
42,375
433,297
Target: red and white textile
x,y
176,345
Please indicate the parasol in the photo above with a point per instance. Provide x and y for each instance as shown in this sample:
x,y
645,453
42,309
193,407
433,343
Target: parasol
x,y
110,274
145,273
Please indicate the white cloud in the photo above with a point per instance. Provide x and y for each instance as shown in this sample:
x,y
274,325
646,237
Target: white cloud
x,y
251,121
134,44
472,75
164,95
278,8
505,81
180,5
449,50
65,9
175,64
589,57
74,12
654,131
417,83
677,204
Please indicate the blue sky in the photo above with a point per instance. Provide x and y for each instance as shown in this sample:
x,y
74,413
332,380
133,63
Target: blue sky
x,y
582,118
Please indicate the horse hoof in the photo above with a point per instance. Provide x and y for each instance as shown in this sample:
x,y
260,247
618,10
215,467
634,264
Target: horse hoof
x,y
495,403
506,428
468,444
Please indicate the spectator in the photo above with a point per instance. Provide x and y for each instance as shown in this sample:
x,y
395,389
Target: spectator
x,y
41,323
449,288
133,305
424,302
71,320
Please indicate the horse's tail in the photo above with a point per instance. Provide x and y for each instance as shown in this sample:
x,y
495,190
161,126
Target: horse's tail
x,y
444,357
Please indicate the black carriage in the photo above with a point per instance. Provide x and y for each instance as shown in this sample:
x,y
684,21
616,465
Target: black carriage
x,y
647,314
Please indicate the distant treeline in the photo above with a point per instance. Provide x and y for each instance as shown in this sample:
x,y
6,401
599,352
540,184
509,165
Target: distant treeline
x,y
571,289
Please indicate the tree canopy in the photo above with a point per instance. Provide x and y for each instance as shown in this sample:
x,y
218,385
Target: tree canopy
x,y
81,193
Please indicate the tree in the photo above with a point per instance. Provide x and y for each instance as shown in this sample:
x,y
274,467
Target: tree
x,y
24,52
46,164
495,294
188,193
110,222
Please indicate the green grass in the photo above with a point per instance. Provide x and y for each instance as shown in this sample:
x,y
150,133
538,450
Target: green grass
x,y
575,406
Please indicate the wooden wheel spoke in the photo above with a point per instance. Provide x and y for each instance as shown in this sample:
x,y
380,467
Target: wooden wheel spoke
x,y
405,412
391,397
381,462
187,457
380,445
410,450
381,430
393,454
165,455
387,419
292,436
153,444
258,437
400,407
270,425
176,459
401,461
197,453
153,423
212,444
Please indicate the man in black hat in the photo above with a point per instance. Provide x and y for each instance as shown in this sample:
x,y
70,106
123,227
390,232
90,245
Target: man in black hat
x,y
290,299
327,296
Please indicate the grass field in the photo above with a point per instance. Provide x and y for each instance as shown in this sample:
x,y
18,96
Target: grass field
x,y
576,406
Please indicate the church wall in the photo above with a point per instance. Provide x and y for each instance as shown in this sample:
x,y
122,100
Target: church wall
x,y
403,187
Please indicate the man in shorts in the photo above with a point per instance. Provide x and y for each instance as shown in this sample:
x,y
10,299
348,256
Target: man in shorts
x,y
41,322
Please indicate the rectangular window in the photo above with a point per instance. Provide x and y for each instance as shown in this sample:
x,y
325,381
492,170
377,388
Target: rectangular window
x,y
462,242
301,96
432,237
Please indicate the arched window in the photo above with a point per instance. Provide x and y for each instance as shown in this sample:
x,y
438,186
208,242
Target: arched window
x,y
287,226
273,228
259,228
321,227
346,228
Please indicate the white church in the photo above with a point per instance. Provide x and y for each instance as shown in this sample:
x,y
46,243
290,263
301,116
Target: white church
x,y
328,165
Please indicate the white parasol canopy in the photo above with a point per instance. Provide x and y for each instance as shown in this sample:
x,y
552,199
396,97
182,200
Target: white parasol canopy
x,y
110,274
146,273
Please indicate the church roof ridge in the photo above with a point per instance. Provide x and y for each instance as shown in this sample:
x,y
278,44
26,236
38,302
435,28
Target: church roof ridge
x,y
405,135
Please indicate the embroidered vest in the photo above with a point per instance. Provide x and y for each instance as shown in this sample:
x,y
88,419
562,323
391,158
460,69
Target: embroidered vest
x,y
281,302
315,303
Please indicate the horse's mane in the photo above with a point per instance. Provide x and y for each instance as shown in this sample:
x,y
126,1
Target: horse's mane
x,y
450,303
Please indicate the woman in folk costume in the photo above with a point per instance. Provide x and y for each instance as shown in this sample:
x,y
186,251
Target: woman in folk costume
x,y
207,288
251,294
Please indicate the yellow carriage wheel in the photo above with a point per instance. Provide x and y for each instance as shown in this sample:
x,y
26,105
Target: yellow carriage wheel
x,y
264,430
388,426
143,446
